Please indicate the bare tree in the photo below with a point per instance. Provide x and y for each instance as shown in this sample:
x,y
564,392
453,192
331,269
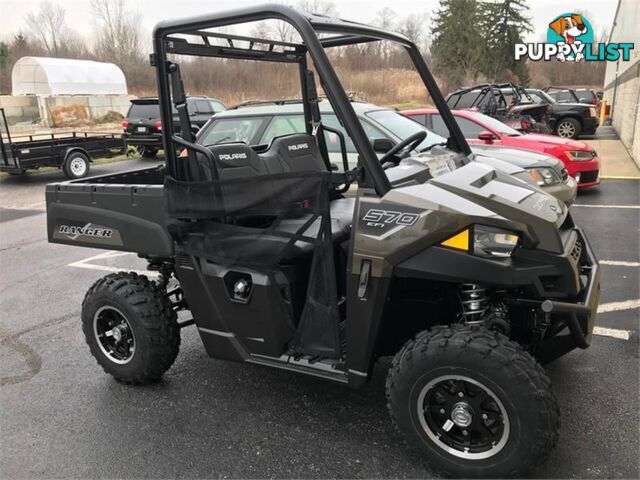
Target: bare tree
x,y
48,26
118,38
385,18
413,27
321,7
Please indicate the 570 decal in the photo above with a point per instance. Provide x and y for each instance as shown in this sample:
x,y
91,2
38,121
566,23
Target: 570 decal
x,y
381,218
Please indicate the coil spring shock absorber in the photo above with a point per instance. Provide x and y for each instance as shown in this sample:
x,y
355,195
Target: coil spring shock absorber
x,y
473,302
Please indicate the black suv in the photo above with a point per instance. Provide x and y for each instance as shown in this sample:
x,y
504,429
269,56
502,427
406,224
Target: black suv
x,y
143,129
572,95
567,119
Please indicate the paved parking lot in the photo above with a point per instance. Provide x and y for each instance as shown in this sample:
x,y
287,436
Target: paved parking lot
x,y
62,417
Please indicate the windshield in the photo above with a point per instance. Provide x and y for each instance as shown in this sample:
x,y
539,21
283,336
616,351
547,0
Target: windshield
x,y
494,124
403,127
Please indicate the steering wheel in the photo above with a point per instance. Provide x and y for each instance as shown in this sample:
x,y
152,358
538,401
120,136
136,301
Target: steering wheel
x,y
409,143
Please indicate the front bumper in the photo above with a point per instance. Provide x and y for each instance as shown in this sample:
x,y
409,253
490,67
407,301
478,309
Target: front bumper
x,y
579,316
587,174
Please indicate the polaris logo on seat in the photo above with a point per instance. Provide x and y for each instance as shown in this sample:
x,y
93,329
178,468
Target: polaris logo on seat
x,y
232,156
299,146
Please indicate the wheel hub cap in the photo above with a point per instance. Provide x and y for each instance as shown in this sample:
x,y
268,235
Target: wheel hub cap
x,y
117,334
114,334
461,415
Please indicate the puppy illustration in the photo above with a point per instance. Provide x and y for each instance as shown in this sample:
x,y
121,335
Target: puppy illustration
x,y
569,28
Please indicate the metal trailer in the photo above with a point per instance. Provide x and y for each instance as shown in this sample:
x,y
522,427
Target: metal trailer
x,y
72,151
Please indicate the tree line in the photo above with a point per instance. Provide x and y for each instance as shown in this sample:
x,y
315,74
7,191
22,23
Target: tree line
x,y
464,42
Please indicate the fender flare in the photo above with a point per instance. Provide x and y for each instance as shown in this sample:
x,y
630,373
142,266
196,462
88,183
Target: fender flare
x,y
71,150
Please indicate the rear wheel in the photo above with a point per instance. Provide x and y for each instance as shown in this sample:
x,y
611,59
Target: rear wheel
x,y
473,402
130,327
148,152
568,128
76,165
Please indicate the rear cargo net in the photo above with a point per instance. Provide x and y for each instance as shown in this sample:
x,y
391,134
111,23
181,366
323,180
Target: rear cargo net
x,y
255,219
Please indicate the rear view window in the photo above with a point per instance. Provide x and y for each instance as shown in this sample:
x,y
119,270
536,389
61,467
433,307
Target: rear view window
x,y
144,111
585,95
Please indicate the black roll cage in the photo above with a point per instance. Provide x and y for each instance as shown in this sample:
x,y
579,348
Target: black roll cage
x,y
487,94
308,26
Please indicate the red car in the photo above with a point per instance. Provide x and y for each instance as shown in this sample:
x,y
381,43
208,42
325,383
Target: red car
x,y
581,160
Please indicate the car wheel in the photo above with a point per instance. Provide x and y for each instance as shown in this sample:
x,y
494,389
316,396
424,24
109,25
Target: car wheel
x,y
473,402
76,165
130,327
148,152
568,128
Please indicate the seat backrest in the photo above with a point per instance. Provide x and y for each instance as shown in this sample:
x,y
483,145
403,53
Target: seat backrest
x,y
289,154
293,153
235,160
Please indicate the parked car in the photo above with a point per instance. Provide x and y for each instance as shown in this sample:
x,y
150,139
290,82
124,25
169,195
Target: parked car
x,y
572,95
567,119
259,125
581,160
143,128
546,171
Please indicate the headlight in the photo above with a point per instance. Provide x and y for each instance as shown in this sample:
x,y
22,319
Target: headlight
x,y
581,155
493,242
544,176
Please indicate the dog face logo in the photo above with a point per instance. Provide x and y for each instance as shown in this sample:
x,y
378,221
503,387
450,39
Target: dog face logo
x,y
570,30
569,27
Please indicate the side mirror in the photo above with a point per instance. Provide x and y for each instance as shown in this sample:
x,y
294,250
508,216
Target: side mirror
x,y
486,136
382,145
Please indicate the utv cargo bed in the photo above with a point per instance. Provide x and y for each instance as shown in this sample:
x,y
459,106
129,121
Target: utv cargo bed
x,y
123,211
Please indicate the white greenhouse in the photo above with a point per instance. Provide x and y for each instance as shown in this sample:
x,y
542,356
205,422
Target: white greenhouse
x,y
63,76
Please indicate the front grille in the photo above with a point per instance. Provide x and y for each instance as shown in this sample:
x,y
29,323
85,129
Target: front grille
x,y
588,177
564,174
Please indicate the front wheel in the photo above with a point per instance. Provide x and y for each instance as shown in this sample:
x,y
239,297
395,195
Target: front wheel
x,y
130,327
473,402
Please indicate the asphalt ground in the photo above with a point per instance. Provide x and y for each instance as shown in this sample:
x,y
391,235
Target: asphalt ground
x,y
62,417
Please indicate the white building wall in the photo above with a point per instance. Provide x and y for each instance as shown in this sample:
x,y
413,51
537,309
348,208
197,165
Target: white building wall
x,y
622,79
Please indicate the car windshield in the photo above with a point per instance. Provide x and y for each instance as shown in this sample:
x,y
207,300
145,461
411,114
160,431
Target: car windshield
x,y
403,127
494,124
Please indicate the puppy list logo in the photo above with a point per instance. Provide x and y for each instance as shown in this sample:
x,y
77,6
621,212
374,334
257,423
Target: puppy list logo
x,y
570,38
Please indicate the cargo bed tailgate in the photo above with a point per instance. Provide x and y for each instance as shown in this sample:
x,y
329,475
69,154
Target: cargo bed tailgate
x,y
116,216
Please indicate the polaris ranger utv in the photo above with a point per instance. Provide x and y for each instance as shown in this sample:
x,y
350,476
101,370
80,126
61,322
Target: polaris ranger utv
x,y
469,277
